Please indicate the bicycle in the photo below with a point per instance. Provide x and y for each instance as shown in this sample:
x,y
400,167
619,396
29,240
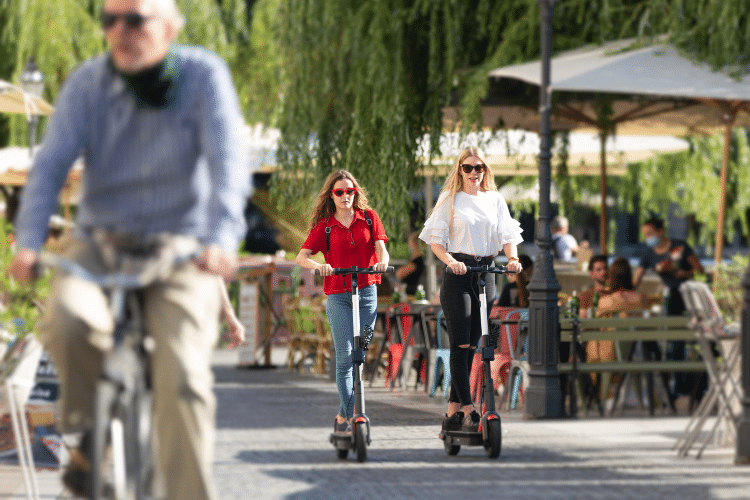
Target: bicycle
x,y
122,413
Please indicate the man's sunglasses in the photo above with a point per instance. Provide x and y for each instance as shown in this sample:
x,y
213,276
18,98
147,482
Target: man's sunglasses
x,y
468,168
340,192
132,20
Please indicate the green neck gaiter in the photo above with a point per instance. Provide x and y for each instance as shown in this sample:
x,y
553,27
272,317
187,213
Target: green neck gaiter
x,y
156,86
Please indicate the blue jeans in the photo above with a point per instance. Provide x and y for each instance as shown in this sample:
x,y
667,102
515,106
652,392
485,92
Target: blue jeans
x,y
339,311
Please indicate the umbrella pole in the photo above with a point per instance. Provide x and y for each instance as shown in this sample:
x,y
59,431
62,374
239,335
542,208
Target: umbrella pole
x,y
719,250
603,192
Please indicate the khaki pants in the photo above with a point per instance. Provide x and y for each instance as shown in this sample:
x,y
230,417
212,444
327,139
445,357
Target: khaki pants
x,y
182,315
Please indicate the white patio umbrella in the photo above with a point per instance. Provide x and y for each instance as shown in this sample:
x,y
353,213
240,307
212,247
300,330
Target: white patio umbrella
x,y
14,100
654,91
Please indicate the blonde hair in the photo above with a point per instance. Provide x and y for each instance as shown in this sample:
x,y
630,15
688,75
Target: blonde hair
x,y
324,205
455,183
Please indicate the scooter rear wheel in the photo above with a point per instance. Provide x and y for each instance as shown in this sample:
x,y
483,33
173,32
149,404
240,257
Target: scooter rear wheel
x,y
342,453
360,440
494,439
451,449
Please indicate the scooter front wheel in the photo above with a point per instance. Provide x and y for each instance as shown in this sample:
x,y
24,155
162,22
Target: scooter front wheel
x,y
494,439
360,441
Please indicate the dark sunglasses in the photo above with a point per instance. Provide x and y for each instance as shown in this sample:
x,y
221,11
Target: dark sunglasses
x,y
340,192
468,168
132,20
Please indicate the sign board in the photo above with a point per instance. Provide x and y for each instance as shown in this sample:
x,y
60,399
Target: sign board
x,y
249,315
41,419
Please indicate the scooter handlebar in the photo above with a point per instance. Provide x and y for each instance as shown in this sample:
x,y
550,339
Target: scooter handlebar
x,y
357,270
485,269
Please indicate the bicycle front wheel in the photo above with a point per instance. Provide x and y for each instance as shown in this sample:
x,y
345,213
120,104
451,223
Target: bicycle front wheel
x,y
102,470
138,426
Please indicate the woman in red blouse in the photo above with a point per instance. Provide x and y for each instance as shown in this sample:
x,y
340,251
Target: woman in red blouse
x,y
348,233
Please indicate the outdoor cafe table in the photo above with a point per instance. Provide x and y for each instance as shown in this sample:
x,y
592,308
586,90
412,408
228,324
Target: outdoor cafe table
x,y
420,334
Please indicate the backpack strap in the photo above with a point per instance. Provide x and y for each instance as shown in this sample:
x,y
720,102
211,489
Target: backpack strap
x,y
369,223
328,237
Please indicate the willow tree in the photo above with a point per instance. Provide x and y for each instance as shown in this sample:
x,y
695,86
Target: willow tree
x,y
690,180
61,34
362,83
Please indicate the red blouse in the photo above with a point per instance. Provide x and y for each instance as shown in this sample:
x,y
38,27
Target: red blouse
x,y
350,247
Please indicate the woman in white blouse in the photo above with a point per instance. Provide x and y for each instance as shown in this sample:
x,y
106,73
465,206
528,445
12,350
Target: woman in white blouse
x,y
469,226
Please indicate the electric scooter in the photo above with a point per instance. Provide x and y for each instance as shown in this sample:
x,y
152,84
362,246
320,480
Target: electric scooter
x,y
489,433
359,438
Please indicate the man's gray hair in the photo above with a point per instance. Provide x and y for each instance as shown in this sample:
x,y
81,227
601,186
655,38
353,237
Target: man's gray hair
x,y
558,223
169,11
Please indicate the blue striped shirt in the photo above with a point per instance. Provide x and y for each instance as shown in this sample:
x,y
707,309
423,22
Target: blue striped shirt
x,y
182,169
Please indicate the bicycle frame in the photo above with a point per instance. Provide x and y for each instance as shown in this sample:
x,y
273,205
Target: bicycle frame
x,y
122,403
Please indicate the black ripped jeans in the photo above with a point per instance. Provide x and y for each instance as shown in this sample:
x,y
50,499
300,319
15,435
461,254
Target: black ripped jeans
x,y
459,298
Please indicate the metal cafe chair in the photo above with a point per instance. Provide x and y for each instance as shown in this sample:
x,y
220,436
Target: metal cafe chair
x,y
442,360
719,347
395,347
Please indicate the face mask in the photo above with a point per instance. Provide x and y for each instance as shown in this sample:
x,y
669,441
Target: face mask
x,y
652,241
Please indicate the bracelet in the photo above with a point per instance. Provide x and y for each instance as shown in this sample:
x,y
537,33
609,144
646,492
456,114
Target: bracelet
x,y
513,258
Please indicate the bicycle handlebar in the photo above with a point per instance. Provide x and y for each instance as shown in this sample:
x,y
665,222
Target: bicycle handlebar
x,y
485,269
357,270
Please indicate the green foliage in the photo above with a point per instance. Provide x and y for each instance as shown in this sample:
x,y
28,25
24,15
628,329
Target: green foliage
x,y
62,34
714,31
362,84
692,180
727,287
18,301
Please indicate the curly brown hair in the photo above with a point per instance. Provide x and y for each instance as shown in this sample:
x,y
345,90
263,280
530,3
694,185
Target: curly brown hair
x,y
324,205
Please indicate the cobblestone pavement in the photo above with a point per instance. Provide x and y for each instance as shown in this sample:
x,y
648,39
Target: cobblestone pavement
x,y
272,443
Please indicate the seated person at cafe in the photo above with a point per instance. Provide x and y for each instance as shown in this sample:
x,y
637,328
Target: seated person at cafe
x,y
564,245
599,273
411,273
622,299
515,293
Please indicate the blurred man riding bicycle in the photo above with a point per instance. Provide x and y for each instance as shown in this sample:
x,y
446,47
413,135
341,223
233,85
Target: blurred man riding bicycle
x,y
160,129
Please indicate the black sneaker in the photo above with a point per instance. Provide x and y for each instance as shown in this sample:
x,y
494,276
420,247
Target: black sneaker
x,y
471,422
453,423
77,475
343,427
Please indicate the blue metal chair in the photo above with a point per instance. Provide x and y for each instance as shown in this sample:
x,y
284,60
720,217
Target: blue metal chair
x,y
442,358
518,364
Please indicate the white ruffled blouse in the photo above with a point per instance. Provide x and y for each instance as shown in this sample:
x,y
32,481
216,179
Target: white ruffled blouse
x,y
481,224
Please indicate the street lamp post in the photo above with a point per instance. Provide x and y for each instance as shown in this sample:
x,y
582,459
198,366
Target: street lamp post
x,y
543,396
742,455
32,82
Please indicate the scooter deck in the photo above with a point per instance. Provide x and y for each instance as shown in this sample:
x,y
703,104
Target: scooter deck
x,y
341,441
462,438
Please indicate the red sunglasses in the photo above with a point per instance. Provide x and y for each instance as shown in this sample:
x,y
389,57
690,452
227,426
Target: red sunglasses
x,y
340,192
